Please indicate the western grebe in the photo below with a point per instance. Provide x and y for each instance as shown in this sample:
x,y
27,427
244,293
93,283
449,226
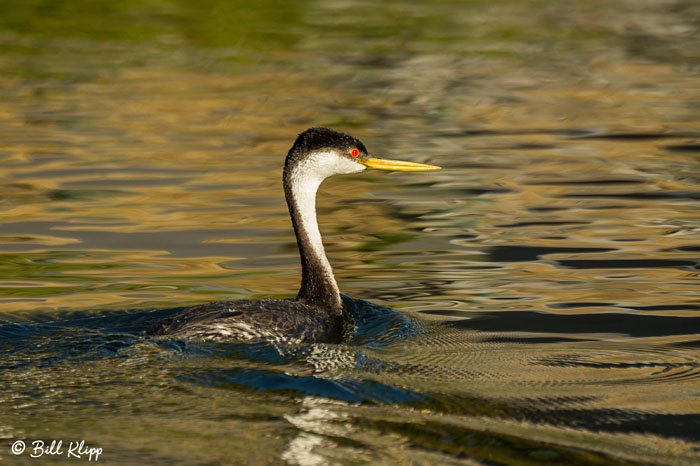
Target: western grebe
x,y
316,313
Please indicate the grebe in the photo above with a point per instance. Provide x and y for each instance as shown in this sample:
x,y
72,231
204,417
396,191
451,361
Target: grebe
x,y
315,315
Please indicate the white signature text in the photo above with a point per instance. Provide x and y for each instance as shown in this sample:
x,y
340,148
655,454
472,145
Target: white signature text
x,y
75,450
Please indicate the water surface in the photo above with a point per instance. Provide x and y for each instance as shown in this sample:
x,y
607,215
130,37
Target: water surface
x,y
535,301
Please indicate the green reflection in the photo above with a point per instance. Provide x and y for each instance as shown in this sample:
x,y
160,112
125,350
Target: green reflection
x,y
264,24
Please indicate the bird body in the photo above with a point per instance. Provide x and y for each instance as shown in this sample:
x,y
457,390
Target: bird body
x,y
316,313
274,320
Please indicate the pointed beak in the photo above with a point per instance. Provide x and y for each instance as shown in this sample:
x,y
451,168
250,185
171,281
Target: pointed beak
x,y
396,165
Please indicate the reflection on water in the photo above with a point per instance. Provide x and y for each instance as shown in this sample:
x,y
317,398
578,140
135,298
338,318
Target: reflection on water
x,y
534,301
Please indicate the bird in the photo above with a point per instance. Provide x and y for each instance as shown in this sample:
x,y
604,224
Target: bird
x,y
315,314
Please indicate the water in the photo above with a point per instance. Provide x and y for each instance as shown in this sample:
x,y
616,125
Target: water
x,y
536,301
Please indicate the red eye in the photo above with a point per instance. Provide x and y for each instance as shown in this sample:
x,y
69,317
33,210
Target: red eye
x,y
354,152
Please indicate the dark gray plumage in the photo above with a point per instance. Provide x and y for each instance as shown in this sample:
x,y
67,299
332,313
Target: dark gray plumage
x,y
273,320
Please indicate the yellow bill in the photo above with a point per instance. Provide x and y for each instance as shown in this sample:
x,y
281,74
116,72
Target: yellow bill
x,y
397,165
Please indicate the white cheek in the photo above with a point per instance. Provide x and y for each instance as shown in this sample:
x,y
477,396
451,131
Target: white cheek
x,y
325,164
349,166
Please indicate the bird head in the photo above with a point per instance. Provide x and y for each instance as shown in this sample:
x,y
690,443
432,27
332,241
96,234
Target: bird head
x,y
327,152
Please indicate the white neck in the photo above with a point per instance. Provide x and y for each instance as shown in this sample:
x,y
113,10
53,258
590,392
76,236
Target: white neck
x,y
304,189
318,284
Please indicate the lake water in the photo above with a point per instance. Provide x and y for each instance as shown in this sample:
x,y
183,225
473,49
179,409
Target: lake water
x,y
535,301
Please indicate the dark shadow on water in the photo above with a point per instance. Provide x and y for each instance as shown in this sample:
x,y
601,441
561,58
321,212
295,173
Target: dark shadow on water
x,y
576,305
532,253
687,248
565,182
374,326
626,263
693,195
660,307
626,324
530,224
570,133
684,147
43,340
636,136
523,340
346,389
